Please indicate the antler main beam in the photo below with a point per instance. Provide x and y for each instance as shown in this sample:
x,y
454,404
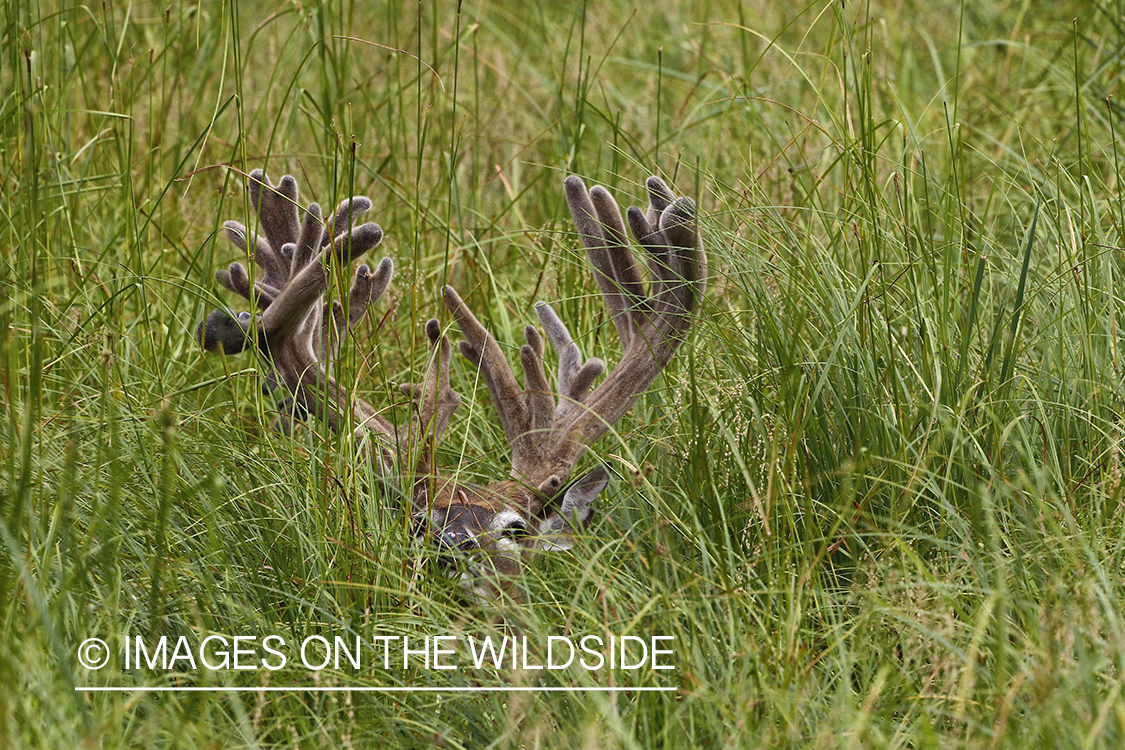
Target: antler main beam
x,y
548,436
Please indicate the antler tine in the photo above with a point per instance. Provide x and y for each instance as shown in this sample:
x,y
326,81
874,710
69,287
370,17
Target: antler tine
x,y
333,329
574,376
539,399
526,414
367,287
309,281
236,279
276,206
225,330
277,217
598,222
434,404
667,232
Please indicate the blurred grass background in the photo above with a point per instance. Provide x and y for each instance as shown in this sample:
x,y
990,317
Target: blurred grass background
x,y
877,500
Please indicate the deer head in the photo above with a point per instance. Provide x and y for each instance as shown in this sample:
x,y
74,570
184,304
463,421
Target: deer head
x,y
486,531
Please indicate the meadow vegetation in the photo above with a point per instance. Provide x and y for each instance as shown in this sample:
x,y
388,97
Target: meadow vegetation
x,y
877,499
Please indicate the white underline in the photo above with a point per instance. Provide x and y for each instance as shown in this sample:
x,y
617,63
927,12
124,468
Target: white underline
x,y
319,689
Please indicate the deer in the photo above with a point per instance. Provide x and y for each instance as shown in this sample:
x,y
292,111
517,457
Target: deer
x,y
490,530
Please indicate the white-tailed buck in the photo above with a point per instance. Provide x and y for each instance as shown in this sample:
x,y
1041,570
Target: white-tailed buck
x,y
489,528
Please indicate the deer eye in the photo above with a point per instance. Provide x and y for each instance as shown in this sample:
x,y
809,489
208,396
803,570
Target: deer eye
x,y
516,531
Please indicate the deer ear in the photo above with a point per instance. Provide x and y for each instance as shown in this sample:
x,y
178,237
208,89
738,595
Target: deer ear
x,y
574,513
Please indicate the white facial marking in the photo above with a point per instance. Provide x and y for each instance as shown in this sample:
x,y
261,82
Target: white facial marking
x,y
505,518
503,521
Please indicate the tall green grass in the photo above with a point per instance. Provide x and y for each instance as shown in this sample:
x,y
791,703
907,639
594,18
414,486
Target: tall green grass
x,y
877,500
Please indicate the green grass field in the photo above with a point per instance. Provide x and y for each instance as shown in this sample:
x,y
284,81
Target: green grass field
x,y
877,499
